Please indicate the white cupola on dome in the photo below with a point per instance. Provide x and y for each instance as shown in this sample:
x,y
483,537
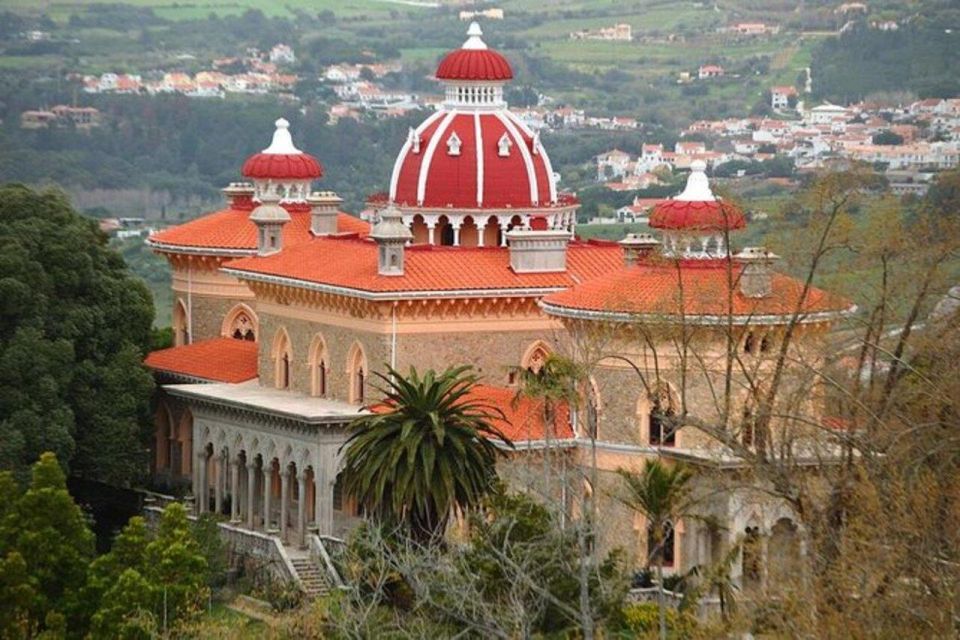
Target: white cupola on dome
x,y
283,167
474,74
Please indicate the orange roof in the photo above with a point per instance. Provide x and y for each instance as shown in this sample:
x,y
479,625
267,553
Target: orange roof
x,y
702,285
524,416
216,360
231,229
350,263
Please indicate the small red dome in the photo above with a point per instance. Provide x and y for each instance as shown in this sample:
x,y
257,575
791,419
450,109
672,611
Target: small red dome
x,y
474,64
282,166
708,215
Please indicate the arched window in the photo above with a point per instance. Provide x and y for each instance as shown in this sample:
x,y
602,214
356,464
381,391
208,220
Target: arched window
x,y
663,425
663,550
240,323
751,559
282,357
181,327
535,357
749,343
357,370
319,363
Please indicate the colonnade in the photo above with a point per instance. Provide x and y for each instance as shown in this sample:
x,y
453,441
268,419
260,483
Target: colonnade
x,y
489,230
263,493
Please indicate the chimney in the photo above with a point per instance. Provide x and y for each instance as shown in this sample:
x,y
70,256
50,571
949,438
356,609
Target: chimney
x,y
756,280
637,247
239,195
269,218
538,249
324,209
391,235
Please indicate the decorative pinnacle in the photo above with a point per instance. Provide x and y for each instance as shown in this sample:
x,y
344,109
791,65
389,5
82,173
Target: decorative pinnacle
x,y
282,143
474,41
698,187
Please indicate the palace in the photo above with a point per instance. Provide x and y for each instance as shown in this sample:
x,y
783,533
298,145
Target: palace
x,y
285,308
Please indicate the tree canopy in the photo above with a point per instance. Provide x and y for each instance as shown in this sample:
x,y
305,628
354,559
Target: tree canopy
x,y
74,326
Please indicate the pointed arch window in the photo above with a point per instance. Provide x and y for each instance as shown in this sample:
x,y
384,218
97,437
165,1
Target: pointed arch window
x,y
453,144
357,369
282,356
318,362
663,426
662,548
503,146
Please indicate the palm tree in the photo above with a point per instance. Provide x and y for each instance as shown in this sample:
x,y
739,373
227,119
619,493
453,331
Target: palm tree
x,y
663,495
423,451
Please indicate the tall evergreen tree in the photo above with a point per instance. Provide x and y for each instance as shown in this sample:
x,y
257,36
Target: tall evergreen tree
x,y
74,326
50,534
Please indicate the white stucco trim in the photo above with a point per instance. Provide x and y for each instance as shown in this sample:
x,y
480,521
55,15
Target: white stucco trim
x,y
478,133
551,182
405,150
519,142
428,155
666,318
518,292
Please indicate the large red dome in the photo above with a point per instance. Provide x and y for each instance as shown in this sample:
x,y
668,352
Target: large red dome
x,y
480,160
282,160
474,64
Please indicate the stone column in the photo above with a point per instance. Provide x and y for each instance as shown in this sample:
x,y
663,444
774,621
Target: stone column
x,y
323,500
284,500
267,486
218,484
431,228
235,491
764,558
251,492
503,233
302,509
456,232
202,490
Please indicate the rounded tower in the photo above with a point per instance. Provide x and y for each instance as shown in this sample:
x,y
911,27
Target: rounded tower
x,y
473,171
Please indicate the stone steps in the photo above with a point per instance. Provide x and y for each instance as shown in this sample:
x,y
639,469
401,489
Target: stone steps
x,y
313,578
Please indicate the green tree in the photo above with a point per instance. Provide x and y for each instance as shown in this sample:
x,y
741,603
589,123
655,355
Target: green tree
x,y
424,451
50,534
887,137
74,326
175,567
662,495
17,598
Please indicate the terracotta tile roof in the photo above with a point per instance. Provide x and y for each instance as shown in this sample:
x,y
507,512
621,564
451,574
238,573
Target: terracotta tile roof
x,y
217,360
351,263
232,229
703,285
524,416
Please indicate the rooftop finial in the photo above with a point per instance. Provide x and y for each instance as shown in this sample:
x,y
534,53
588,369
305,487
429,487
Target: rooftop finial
x,y
698,187
282,143
474,41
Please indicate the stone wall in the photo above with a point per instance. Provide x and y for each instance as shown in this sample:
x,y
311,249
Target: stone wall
x,y
208,314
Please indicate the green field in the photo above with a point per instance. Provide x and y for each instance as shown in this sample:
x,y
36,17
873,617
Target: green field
x,y
193,9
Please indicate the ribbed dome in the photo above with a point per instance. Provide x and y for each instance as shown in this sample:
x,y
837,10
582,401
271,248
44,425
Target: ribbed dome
x,y
274,166
282,160
474,64
697,209
697,216
485,160
474,61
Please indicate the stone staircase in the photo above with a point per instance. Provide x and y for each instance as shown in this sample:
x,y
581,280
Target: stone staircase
x,y
314,581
